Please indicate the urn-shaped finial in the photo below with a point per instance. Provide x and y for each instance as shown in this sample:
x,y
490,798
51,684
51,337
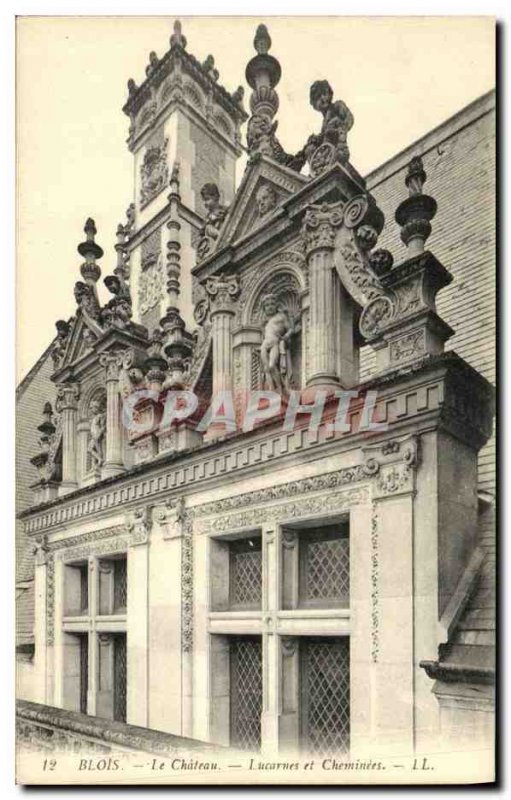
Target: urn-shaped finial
x,y
414,214
91,251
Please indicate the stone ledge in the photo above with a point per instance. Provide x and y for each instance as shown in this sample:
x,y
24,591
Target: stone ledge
x,y
105,731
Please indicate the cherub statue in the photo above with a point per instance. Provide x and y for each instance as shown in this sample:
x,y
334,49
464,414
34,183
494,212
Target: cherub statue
x,y
215,215
275,353
59,347
86,299
97,433
118,310
216,212
337,121
266,199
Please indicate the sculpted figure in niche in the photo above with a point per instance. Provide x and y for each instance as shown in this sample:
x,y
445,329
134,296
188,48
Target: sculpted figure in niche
x,y
97,433
337,121
275,353
266,199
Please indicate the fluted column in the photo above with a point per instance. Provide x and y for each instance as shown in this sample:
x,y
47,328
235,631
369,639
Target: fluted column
x,y
319,231
113,451
223,291
67,403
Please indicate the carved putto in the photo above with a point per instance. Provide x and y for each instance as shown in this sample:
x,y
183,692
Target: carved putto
x,y
59,347
154,172
118,311
97,429
275,351
330,144
86,299
215,215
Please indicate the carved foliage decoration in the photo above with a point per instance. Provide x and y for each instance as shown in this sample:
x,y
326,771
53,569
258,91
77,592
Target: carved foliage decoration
x,y
150,284
154,172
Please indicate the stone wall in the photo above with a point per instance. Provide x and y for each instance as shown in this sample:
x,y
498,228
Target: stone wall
x,y
31,395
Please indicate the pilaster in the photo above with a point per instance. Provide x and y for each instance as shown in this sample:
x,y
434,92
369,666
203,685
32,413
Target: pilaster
x,y
113,465
319,232
40,614
67,404
137,709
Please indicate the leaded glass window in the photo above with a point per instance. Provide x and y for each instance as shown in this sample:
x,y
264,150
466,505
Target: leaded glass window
x,y
325,691
246,692
324,567
245,573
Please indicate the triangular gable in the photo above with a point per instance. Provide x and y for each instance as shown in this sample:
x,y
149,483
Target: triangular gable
x,y
243,214
77,345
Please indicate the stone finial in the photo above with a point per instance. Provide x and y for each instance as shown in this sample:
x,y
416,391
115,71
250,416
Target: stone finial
x,y
414,214
263,73
153,63
209,68
177,39
132,87
91,251
46,428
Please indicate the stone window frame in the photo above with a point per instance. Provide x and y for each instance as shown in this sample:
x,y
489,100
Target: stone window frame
x,y
99,626
285,626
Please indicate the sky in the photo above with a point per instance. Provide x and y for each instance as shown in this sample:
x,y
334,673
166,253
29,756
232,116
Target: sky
x,y
400,77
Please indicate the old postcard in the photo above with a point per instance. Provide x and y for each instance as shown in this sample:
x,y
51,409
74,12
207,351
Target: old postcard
x,y
255,445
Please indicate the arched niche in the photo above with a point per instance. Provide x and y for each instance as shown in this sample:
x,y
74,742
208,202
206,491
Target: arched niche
x,y
286,288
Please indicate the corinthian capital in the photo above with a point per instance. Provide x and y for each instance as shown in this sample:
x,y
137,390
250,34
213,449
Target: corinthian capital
x,y
112,362
67,397
223,291
320,226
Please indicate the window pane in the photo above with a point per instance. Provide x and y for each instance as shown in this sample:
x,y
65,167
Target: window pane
x,y
246,692
120,584
325,567
245,566
325,676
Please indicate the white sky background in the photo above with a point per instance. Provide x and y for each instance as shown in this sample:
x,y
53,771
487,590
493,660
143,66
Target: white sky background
x,y
400,77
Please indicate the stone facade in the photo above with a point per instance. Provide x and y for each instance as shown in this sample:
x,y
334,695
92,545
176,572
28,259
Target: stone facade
x,y
242,558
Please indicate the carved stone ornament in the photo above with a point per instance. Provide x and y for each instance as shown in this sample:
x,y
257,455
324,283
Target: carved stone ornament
x,y
150,285
392,465
139,522
289,645
97,430
41,550
279,328
67,397
375,315
61,341
330,145
321,225
266,199
222,290
215,215
154,172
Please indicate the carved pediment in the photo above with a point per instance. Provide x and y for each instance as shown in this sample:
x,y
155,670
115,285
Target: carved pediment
x,y
80,340
263,188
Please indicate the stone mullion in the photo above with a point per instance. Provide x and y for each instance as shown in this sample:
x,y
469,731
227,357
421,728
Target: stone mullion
x,y
270,602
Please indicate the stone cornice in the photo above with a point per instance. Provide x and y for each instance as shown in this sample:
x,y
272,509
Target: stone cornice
x,y
457,673
444,394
